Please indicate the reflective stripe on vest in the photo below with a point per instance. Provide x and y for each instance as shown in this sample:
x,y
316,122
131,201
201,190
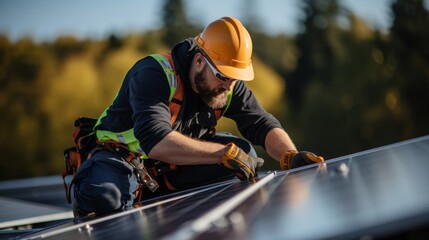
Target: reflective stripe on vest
x,y
176,97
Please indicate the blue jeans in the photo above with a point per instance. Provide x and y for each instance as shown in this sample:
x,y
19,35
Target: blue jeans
x,y
106,183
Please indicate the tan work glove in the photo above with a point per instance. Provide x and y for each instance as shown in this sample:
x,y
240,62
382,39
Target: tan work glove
x,y
244,164
294,159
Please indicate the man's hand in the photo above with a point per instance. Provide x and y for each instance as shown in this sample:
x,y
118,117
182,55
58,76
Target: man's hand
x,y
236,159
294,159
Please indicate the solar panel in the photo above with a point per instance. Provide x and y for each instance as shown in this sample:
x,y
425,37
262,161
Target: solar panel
x,y
377,193
19,213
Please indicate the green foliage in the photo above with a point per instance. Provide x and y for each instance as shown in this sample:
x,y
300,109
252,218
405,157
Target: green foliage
x,y
318,48
278,51
67,45
23,125
409,57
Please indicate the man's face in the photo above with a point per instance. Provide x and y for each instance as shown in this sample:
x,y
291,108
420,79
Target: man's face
x,y
212,90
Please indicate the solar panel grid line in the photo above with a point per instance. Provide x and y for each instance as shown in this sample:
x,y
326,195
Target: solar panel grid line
x,y
377,149
204,222
203,188
180,211
237,223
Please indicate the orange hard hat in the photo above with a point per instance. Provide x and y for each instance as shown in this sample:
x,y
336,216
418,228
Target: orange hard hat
x,y
229,46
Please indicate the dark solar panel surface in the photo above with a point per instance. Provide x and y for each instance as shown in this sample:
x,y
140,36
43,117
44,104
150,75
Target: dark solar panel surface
x,y
378,193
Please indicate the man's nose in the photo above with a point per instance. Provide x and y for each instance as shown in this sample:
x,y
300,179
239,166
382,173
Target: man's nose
x,y
227,85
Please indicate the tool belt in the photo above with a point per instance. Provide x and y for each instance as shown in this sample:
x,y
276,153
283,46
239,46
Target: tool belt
x,y
134,160
87,144
146,170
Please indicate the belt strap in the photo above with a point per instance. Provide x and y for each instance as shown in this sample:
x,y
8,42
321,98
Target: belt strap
x,y
134,160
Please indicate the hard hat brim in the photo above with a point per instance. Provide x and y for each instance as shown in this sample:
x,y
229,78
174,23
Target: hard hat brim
x,y
244,74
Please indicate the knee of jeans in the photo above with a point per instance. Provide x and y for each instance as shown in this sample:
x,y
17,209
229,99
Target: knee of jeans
x,y
99,198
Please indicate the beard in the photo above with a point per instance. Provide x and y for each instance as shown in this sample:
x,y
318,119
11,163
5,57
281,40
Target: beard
x,y
215,98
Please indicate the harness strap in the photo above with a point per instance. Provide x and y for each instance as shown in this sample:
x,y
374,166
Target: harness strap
x,y
177,89
168,184
66,188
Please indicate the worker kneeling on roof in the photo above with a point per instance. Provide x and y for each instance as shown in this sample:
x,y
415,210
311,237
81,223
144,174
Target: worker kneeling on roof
x,y
158,135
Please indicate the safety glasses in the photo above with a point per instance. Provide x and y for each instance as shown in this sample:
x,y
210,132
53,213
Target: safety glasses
x,y
218,74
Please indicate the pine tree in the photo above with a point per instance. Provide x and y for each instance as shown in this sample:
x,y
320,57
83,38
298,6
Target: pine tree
x,y
410,59
176,24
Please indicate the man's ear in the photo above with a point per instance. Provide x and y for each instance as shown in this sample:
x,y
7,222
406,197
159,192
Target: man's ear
x,y
198,58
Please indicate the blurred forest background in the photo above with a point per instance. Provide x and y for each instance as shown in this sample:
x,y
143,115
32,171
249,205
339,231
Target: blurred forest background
x,y
338,86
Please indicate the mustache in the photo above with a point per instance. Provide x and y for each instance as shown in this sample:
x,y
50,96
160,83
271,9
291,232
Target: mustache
x,y
219,91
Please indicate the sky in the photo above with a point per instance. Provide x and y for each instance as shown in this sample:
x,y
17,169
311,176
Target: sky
x,y
44,20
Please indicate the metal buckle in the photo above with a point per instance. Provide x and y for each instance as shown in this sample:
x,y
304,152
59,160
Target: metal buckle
x,y
199,115
205,119
143,175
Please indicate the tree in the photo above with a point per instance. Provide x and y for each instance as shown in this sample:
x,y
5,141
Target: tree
x,y
176,24
410,59
23,125
316,48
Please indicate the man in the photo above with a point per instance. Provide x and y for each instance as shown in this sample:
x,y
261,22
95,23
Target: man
x,y
165,113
